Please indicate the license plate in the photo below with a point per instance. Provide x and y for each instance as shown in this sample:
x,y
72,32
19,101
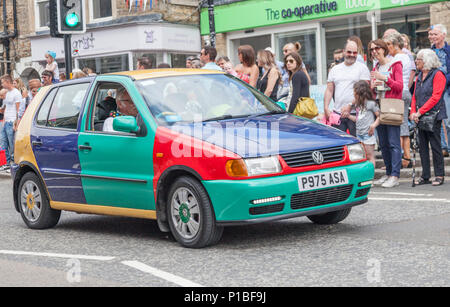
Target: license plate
x,y
322,180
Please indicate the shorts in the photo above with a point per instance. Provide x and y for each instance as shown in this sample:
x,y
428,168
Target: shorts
x,y
367,139
404,127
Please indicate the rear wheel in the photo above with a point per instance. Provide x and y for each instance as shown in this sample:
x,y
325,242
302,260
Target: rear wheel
x,y
34,204
330,217
191,217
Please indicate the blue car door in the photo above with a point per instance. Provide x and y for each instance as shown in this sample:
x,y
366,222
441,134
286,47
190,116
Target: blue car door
x,y
55,142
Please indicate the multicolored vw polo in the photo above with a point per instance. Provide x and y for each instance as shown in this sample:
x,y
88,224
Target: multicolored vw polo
x,y
195,150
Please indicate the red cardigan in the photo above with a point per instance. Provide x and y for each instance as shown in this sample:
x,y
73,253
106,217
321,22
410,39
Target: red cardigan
x,y
395,80
439,82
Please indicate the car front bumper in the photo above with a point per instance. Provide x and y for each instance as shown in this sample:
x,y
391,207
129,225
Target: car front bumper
x,y
233,199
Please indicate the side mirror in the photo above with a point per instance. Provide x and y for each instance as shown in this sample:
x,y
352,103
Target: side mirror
x,y
281,105
127,124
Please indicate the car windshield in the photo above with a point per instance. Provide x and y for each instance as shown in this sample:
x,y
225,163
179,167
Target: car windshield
x,y
203,97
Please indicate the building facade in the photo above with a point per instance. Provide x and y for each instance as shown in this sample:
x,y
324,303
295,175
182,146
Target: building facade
x,y
118,33
321,26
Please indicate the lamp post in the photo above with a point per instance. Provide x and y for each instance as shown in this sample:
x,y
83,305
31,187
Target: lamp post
x,y
212,26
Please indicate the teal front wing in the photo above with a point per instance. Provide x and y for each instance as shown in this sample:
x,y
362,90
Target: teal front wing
x,y
279,196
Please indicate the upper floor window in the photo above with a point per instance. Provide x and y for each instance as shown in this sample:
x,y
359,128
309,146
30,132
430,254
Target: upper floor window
x,y
42,14
100,9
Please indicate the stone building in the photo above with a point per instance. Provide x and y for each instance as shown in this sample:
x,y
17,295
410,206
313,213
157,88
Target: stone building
x,y
118,33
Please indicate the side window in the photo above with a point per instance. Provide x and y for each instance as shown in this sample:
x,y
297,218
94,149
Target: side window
x,y
41,118
103,105
110,100
67,106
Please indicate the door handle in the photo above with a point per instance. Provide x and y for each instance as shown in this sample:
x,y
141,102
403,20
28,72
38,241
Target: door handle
x,y
84,147
37,143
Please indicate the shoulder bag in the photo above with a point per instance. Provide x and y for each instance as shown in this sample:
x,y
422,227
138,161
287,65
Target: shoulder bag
x,y
427,121
391,111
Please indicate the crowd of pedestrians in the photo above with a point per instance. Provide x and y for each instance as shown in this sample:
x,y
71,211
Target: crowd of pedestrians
x,y
421,82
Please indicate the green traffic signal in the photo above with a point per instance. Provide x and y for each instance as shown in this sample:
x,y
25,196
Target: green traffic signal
x,y
72,20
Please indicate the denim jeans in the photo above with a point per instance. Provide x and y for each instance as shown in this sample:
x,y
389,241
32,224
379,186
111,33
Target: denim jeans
x,y
389,139
446,123
1,137
7,140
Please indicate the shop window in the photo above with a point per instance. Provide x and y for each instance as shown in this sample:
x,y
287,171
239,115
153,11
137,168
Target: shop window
x,y
414,23
156,58
101,9
42,15
108,64
257,42
308,51
337,32
179,60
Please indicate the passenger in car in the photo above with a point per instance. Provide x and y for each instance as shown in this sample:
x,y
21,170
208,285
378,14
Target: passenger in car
x,y
106,106
125,106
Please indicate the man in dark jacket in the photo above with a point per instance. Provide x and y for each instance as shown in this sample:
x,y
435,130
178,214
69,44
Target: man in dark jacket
x,y
436,35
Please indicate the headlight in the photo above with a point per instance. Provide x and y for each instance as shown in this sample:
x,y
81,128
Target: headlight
x,y
253,167
356,152
262,166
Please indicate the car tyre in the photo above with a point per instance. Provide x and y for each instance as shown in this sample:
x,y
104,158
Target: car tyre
x,y
328,218
34,204
190,214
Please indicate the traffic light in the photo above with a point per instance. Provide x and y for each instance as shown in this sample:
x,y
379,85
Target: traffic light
x,y
71,19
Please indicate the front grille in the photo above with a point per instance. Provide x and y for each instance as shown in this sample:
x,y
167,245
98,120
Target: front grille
x,y
266,209
304,158
321,197
362,192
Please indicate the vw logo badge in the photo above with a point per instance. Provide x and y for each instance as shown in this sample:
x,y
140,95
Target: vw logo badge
x,y
317,157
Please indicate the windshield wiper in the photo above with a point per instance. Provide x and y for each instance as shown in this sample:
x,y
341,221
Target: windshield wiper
x,y
226,116
269,113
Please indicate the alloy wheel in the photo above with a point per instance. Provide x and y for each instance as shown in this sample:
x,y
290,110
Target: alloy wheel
x,y
185,213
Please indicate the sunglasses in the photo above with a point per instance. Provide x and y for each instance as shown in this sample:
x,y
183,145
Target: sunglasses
x,y
374,48
352,53
290,61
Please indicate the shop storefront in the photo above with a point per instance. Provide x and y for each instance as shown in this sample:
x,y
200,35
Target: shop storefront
x,y
115,48
321,26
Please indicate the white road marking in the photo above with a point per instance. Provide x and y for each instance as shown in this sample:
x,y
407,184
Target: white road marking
x,y
161,274
425,200
55,255
401,194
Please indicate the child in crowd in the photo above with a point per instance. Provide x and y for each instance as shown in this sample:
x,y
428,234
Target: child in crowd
x,y
367,117
52,65
228,67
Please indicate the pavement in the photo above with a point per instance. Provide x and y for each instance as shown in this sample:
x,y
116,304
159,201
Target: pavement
x,y
408,172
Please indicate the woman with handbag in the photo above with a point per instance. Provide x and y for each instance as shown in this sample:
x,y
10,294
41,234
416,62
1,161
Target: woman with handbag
x,y
387,82
428,111
395,45
299,84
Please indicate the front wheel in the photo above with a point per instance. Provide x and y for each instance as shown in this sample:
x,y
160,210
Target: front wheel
x,y
191,217
333,217
34,204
